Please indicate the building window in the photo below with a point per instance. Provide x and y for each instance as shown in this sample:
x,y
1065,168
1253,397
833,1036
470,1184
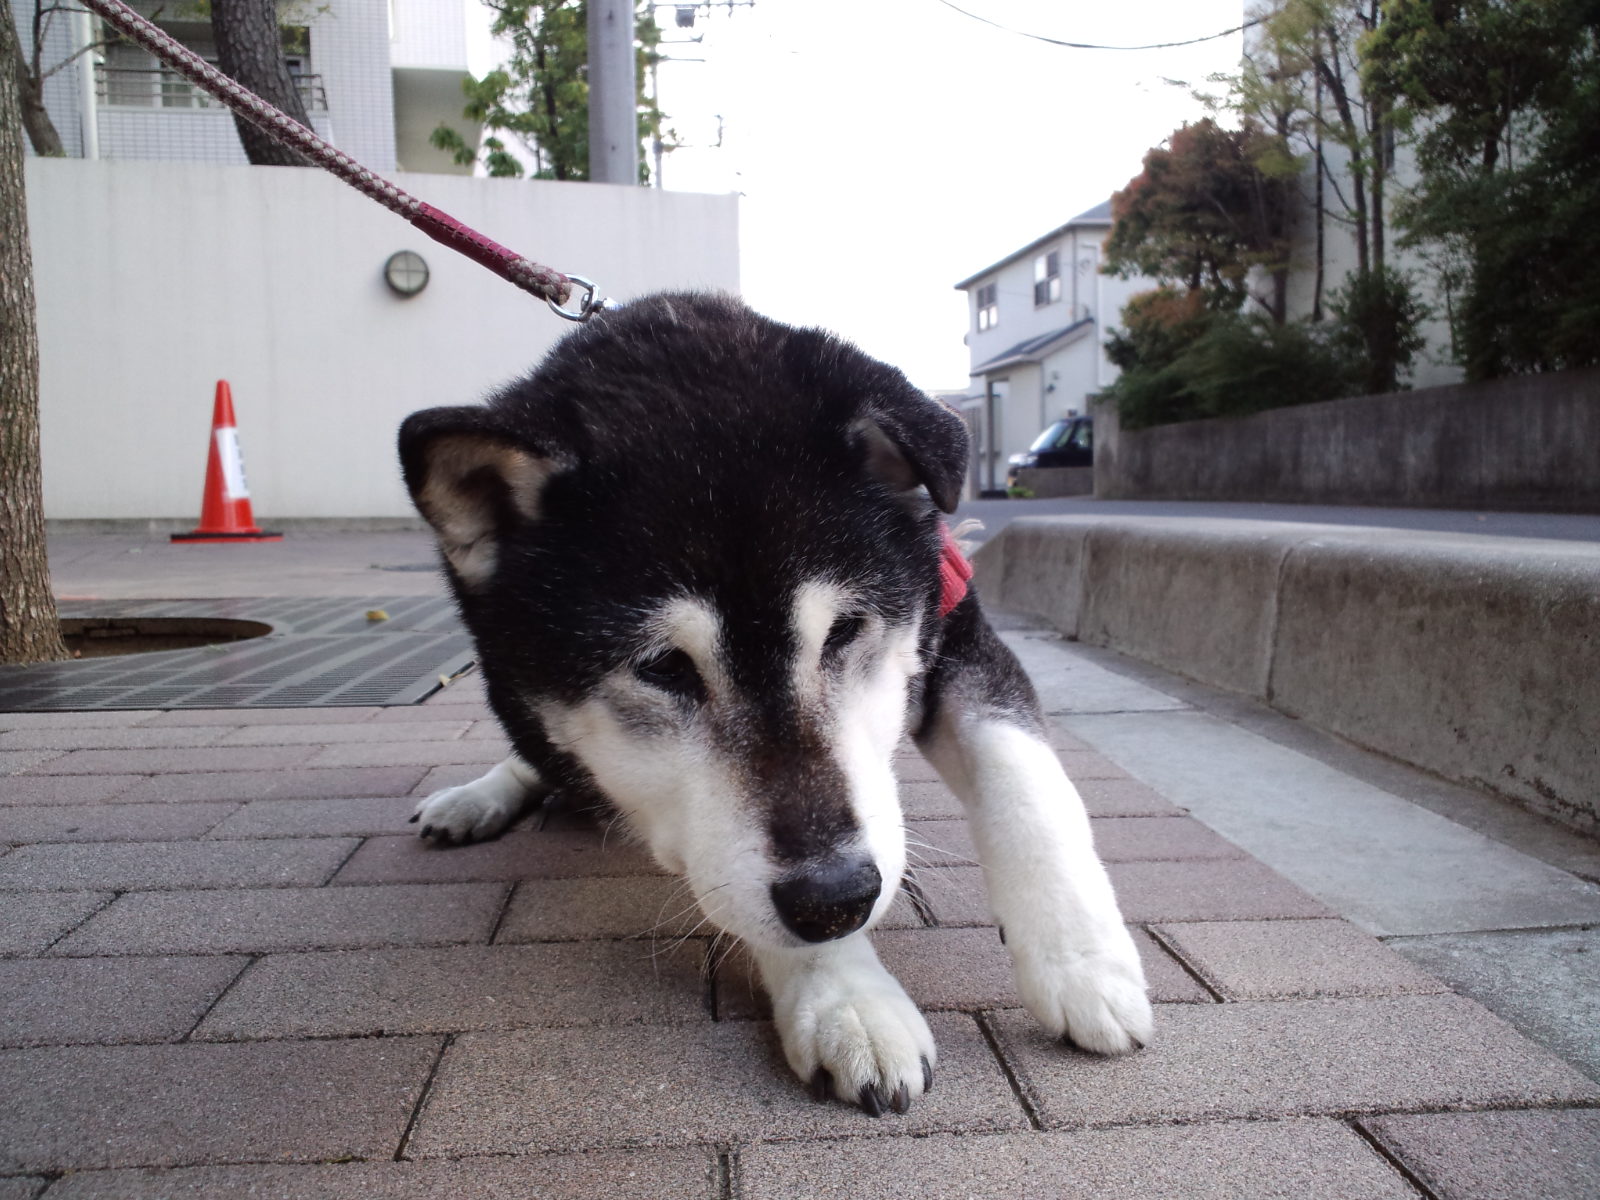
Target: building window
x,y
1046,279
988,307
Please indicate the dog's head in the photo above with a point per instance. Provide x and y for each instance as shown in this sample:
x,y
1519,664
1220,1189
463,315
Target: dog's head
x,y
699,553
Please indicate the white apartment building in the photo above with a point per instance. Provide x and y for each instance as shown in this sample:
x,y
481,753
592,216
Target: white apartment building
x,y
376,77
1037,338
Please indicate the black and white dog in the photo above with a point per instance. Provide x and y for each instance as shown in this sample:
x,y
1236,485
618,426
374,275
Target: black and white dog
x,y
700,553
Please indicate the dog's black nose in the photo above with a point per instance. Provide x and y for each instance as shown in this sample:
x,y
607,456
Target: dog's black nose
x,y
829,898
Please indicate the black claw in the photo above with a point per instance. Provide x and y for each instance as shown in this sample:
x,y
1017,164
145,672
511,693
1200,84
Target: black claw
x,y
1137,1044
427,831
821,1085
927,1075
901,1101
415,817
1002,932
872,1099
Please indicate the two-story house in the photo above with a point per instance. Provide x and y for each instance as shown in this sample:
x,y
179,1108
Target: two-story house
x,y
1036,339
376,77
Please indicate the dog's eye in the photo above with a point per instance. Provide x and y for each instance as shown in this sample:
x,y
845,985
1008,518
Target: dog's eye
x,y
673,671
842,633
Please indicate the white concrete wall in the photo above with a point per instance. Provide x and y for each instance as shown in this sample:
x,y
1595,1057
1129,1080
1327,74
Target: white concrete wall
x,y
429,33
155,280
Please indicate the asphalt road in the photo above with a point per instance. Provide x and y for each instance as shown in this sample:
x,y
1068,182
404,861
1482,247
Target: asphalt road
x,y
1575,527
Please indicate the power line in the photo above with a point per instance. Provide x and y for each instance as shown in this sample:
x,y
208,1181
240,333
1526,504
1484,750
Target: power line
x,y
1039,37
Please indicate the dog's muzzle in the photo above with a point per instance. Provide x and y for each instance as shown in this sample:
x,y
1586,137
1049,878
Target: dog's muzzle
x,y
828,898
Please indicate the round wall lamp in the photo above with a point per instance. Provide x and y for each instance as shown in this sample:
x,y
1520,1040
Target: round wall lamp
x,y
405,273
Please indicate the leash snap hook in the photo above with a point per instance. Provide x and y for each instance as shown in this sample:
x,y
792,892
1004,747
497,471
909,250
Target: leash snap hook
x,y
587,307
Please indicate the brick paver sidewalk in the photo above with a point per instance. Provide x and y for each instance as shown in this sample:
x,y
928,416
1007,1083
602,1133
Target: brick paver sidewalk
x,y
230,968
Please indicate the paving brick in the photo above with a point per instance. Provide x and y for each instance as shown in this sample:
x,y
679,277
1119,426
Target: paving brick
x,y
104,719
962,969
63,1002
1230,890
1296,1057
65,789
1268,960
173,761
928,802
615,1175
115,1106
304,735
406,753
1159,839
121,737
648,907
355,817
485,731
435,709
21,1187
289,919
940,844
35,919
956,895
520,854
260,716
642,1085
13,762
108,822
283,862
1123,798
913,768
553,985
1551,1154
1088,764
1060,739
1305,1159
292,784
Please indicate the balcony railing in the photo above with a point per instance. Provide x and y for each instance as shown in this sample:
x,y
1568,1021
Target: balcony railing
x,y
127,87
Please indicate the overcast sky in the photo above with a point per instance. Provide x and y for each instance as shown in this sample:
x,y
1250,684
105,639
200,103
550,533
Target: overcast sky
x,y
886,149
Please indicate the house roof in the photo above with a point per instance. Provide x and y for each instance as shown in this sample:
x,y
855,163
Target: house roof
x,y
1035,348
1097,217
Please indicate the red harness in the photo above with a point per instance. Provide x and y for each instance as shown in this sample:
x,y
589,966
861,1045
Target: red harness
x,y
954,571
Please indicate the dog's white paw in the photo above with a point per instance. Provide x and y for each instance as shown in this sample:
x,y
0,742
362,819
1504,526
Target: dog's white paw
x,y
1094,999
470,812
855,1033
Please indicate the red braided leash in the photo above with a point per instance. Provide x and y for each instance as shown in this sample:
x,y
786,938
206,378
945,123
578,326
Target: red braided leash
x,y
547,284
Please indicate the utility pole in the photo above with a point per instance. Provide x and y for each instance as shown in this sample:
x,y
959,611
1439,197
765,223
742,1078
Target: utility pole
x,y
613,94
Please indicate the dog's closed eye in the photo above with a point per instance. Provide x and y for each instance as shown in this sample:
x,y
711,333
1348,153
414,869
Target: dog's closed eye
x,y
673,672
841,634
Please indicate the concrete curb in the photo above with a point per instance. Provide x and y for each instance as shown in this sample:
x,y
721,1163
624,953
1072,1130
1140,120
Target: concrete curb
x,y
1476,658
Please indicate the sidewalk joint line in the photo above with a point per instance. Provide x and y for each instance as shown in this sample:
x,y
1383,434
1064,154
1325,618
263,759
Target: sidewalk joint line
x,y
1388,1156
422,1097
116,894
726,1172
1019,1088
1193,971
505,907
228,987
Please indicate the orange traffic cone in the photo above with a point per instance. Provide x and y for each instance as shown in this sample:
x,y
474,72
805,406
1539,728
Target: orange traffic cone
x,y
225,509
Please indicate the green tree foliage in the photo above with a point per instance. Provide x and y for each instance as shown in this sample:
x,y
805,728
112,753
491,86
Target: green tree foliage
x,y
541,96
1182,361
1209,207
1501,102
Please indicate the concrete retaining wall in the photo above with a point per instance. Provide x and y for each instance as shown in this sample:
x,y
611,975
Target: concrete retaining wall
x,y
1532,442
1475,658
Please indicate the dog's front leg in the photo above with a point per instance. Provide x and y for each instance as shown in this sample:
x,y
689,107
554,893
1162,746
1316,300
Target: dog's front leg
x,y
1077,969
473,811
847,1025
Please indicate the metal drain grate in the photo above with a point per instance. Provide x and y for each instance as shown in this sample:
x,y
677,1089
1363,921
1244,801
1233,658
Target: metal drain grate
x,y
322,652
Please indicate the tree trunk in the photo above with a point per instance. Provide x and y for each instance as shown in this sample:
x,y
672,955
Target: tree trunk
x,y
250,50
30,96
29,628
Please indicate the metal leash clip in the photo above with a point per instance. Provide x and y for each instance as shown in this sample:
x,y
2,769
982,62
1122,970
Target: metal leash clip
x,y
587,307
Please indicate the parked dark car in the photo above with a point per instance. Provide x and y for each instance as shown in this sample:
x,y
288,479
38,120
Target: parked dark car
x,y
1068,442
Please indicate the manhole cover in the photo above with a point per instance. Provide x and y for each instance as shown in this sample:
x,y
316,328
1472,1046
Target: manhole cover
x,y
321,652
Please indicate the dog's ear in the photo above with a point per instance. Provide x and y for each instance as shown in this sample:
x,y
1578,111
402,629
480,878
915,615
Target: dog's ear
x,y
472,482
910,439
